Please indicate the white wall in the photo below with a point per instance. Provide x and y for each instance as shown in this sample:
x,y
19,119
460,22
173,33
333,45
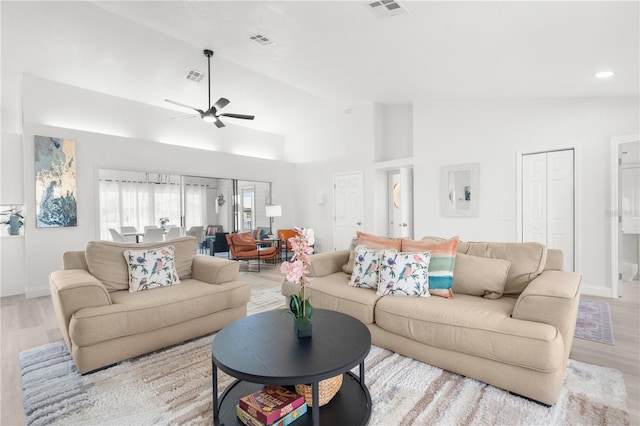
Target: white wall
x,y
491,133
51,109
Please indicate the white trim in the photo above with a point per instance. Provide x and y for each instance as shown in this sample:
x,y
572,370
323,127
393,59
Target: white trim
x,y
37,292
519,155
598,291
613,211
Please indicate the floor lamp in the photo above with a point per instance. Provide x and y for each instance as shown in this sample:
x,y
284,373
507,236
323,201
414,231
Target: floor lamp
x,y
273,211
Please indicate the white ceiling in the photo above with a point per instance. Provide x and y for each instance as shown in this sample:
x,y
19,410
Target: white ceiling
x,y
333,52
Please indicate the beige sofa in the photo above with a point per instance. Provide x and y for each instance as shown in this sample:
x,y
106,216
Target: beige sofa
x,y
518,341
103,323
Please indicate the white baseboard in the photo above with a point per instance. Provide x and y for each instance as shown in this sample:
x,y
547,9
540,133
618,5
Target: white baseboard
x,y
37,292
597,291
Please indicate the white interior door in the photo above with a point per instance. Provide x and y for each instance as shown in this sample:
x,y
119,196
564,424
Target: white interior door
x,y
406,203
348,204
548,201
395,206
534,198
560,205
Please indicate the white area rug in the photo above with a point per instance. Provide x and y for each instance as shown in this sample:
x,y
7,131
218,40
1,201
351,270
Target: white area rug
x,y
173,386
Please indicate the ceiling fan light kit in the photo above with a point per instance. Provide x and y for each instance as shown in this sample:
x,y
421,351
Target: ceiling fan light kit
x,y
211,114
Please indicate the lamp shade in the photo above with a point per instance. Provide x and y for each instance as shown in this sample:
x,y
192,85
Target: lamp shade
x,y
274,211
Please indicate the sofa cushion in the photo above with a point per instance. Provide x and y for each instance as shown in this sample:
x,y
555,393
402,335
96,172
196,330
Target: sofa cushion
x,y
527,260
140,312
106,262
443,257
151,268
348,267
480,276
365,268
333,292
372,242
404,274
474,326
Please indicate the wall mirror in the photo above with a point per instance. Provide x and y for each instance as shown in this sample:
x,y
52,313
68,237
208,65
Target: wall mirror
x,y
459,190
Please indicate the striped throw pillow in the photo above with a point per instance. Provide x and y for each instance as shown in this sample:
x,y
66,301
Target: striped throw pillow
x,y
443,258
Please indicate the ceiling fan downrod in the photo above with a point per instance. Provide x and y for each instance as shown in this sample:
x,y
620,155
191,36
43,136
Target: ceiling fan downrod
x,y
209,53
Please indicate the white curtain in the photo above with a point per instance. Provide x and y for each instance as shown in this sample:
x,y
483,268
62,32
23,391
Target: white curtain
x,y
195,205
137,204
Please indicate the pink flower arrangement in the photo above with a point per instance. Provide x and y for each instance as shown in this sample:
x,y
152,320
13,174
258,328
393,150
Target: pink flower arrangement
x,y
296,272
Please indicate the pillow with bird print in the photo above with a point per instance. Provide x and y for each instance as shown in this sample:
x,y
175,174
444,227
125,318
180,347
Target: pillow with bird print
x,y
365,268
404,274
151,268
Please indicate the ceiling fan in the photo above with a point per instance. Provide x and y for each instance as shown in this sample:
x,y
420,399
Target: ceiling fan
x,y
212,114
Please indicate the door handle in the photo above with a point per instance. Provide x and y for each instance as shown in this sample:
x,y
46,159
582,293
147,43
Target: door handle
x,y
358,223
403,225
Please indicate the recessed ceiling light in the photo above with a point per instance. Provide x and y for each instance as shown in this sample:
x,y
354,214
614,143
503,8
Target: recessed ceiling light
x,y
604,74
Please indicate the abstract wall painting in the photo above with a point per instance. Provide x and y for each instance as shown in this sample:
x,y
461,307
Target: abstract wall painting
x,y
55,169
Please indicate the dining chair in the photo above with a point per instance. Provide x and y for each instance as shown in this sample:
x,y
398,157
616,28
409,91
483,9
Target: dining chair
x,y
153,234
198,232
173,232
128,238
150,227
116,236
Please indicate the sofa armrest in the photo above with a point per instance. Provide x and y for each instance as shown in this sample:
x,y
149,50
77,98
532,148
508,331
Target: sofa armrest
x,y
552,298
74,260
328,263
72,290
214,270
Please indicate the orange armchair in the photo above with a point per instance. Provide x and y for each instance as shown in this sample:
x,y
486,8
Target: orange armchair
x,y
244,247
285,245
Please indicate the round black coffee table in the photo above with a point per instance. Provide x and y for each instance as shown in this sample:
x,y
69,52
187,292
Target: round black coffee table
x,y
263,349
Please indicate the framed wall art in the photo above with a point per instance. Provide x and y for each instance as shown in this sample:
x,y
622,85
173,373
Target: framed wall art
x,y
55,175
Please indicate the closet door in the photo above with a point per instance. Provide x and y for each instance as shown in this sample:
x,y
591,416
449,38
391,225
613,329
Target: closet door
x,y
548,201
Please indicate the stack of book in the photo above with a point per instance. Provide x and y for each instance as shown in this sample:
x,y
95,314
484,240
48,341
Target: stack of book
x,y
272,405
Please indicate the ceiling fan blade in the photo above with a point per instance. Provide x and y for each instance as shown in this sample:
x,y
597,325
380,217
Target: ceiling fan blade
x,y
242,116
221,103
185,116
184,106
218,123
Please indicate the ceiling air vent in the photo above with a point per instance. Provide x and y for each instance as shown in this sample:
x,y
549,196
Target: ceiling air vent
x,y
194,75
387,8
261,39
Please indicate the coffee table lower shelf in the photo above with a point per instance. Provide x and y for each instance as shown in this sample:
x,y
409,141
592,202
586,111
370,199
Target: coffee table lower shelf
x,y
350,406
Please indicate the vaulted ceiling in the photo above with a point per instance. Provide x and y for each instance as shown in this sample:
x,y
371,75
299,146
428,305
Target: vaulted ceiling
x,y
334,52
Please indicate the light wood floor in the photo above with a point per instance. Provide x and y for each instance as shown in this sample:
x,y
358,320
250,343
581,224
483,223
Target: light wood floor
x,y
27,323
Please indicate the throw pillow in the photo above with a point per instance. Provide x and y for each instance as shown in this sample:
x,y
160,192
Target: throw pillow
x,y
151,268
443,256
480,276
365,268
372,242
404,274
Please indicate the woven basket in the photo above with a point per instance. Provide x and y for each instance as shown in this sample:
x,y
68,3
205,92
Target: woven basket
x,y
327,389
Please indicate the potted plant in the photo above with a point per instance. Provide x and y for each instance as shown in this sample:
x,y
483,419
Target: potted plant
x,y
296,272
163,221
14,219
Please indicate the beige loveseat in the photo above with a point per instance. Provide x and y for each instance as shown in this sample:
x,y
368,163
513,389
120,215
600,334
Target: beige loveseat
x,y
103,323
518,340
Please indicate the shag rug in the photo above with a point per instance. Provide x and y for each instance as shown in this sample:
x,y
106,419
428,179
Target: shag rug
x,y
594,322
173,387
